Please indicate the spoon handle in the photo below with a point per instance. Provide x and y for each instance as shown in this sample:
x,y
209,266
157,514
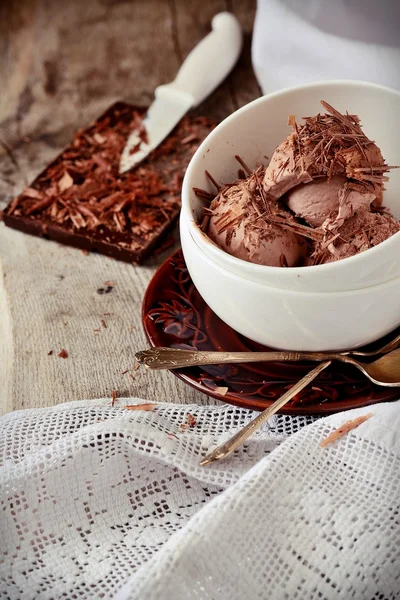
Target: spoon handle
x,y
173,358
241,436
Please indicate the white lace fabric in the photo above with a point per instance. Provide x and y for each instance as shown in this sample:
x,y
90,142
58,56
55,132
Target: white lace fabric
x,y
103,502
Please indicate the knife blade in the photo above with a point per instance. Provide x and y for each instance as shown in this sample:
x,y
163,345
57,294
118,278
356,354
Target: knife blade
x,y
204,69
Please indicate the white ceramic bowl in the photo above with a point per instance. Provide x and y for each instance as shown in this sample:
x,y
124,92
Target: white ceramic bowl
x,y
288,319
254,131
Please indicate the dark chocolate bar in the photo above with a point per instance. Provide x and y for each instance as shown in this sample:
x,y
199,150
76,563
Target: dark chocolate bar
x,y
80,199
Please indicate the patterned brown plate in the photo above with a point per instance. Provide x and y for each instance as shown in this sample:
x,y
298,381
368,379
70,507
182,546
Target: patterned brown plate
x,y
176,316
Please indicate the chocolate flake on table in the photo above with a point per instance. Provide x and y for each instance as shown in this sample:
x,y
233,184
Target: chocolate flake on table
x,y
80,199
105,290
63,354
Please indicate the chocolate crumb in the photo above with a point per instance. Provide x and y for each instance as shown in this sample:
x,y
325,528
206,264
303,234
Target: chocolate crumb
x,y
105,290
63,354
222,391
104,324
50,353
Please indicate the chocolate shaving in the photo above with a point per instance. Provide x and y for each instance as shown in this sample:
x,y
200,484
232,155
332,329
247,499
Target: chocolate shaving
x,y
39,206
145,407
65,182
203,194
343,429
205,223
192,137
211,178
241,162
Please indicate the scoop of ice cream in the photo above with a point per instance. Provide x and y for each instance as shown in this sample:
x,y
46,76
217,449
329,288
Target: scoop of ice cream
x,y
359,233
324,146
238,226
329,199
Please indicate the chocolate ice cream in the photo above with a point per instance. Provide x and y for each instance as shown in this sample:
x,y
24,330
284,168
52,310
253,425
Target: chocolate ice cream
x,y
318,200
358,233
238,226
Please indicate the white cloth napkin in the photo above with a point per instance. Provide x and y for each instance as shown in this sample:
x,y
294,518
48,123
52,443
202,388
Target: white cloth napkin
x,y
104,502
299,41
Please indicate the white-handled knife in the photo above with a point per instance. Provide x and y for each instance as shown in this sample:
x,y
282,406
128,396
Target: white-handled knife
x,y
204,69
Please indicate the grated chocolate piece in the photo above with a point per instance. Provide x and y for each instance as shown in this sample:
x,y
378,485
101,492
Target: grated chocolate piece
x,y
81,200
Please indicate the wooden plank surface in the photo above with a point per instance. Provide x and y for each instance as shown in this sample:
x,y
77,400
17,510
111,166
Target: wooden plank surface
x,y
62,64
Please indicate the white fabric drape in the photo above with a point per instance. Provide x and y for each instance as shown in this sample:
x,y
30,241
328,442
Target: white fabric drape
x,y
103,502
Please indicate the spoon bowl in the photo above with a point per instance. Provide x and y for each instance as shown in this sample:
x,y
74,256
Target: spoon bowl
x,y
383,371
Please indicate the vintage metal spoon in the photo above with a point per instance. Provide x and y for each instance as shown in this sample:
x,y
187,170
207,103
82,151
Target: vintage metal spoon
x,y
241,436
383,371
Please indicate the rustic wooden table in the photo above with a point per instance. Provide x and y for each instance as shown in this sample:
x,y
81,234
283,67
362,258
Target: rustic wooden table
x,y
62,64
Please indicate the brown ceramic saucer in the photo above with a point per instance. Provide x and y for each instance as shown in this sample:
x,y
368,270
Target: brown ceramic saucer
x,y
175,315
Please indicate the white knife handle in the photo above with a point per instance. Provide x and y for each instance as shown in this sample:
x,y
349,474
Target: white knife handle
x,y
211,60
